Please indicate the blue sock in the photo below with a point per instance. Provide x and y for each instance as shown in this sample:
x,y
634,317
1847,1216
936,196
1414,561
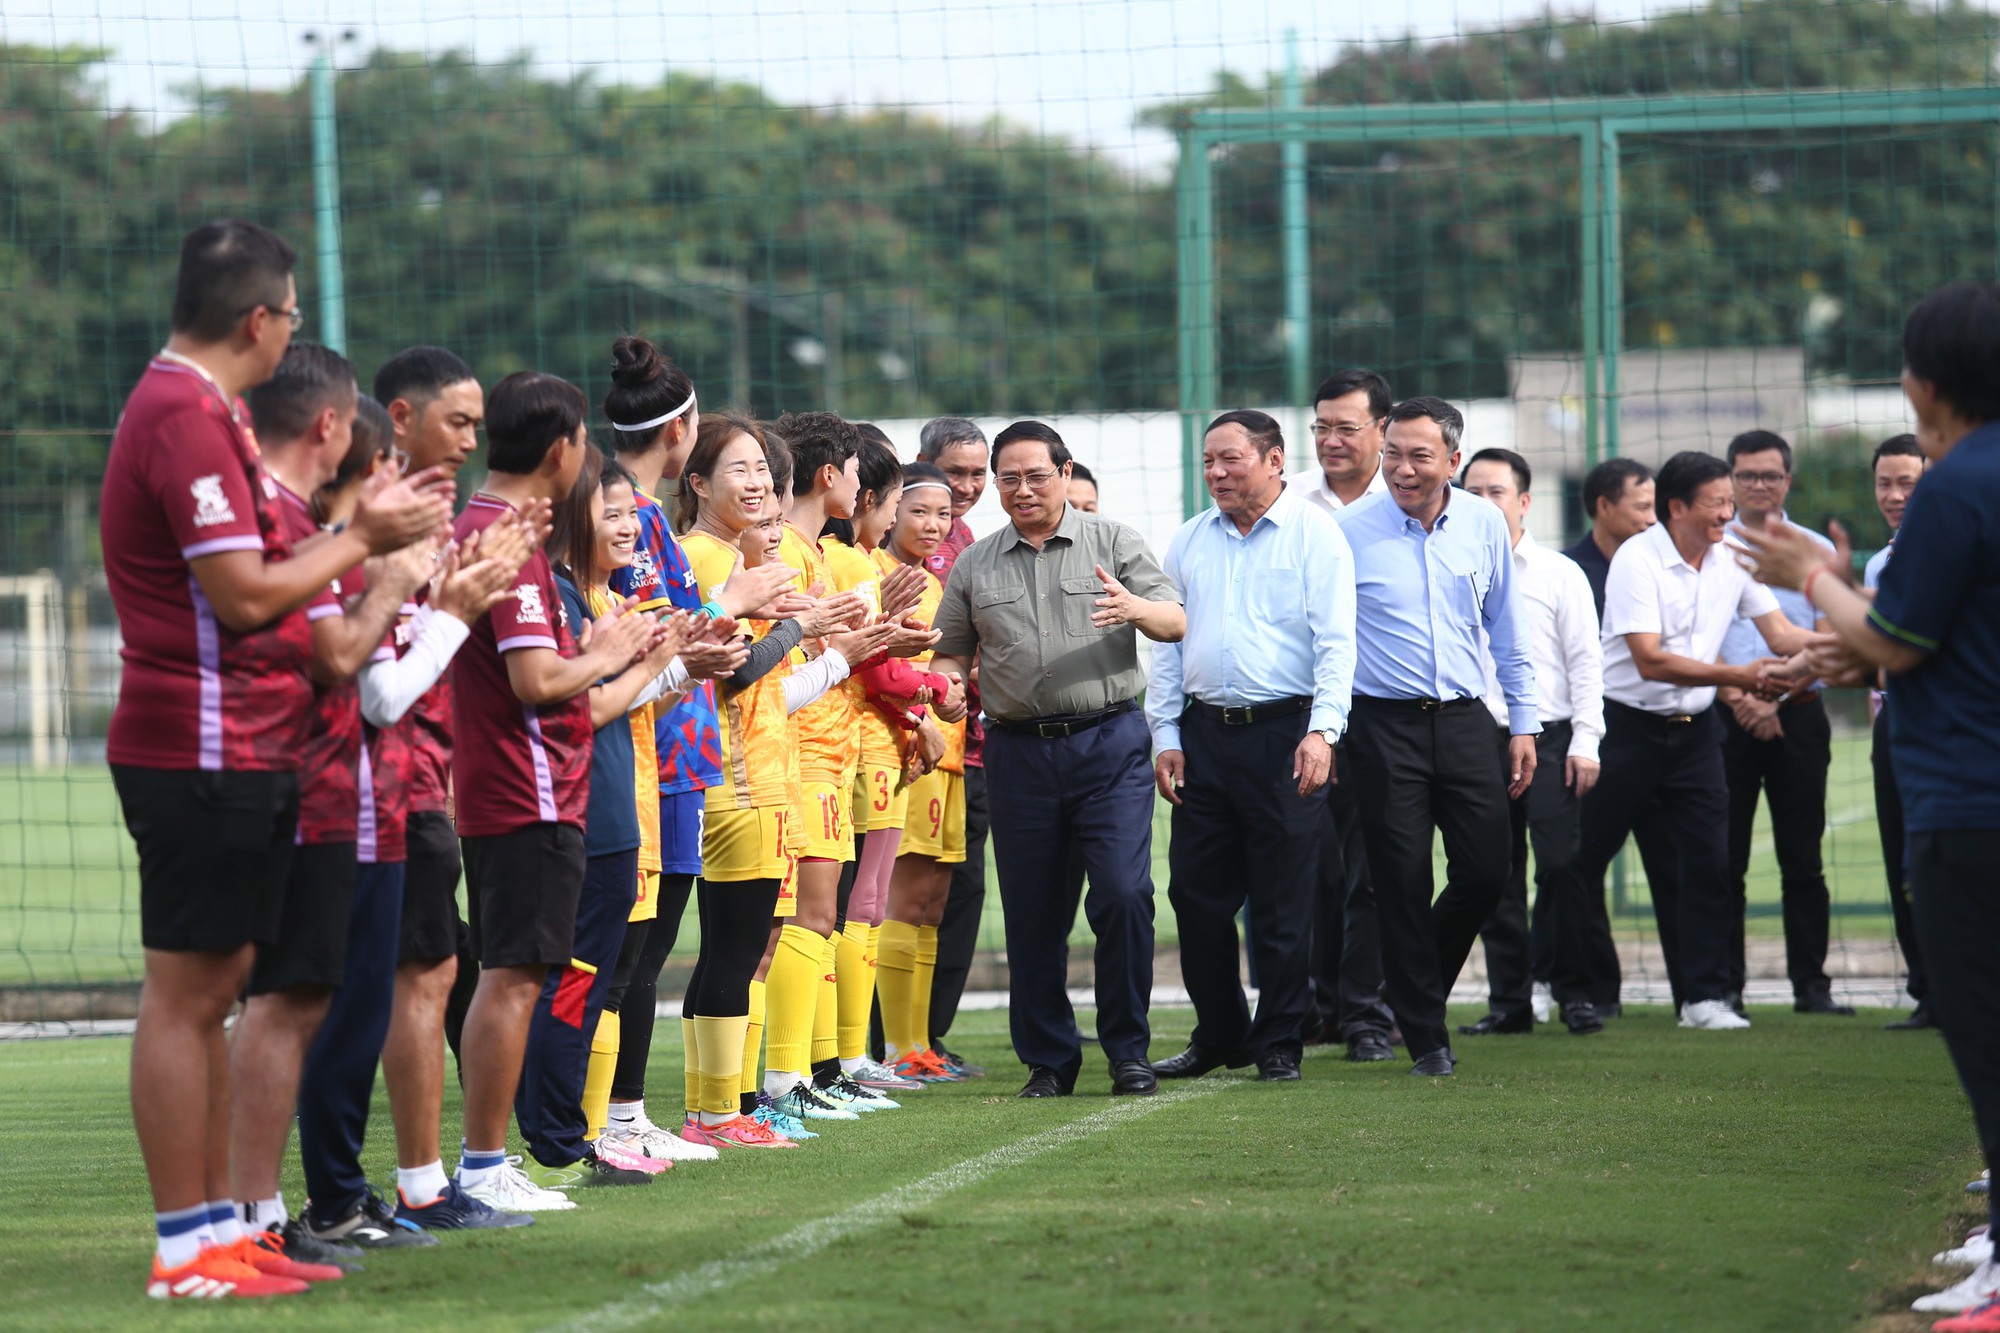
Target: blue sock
x,y
182,1233
474,1166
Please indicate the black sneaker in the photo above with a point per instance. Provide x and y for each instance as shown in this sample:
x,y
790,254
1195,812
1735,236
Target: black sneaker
x,y
303,1247
455,1210
600,1172
368,1224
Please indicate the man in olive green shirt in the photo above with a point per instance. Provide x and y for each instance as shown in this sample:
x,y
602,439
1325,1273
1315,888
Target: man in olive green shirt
x,y
1053,605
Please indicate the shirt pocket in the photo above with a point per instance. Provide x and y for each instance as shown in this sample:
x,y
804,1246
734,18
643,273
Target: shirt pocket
x,y
1079,603
1277,596
999,615
1460,586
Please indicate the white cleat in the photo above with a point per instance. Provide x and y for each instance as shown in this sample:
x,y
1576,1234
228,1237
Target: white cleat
x,y
1978,1249
649,1140
510,1191
1543,1001
1982,1286
1712,1016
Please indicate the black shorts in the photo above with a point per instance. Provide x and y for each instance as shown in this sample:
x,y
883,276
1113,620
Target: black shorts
x,y
430,890
521,892
214,850
311,948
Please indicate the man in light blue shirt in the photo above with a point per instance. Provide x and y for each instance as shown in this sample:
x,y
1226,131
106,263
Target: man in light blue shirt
x,y
1245,711
1434,593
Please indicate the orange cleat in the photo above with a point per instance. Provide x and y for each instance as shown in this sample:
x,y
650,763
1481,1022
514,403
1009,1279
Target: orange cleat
x,y
213,1274
265,1252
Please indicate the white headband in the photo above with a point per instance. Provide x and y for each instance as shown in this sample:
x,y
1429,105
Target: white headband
x,y
919,485
656,421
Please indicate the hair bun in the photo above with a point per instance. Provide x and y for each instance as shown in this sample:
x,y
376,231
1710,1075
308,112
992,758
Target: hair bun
x,y
635,362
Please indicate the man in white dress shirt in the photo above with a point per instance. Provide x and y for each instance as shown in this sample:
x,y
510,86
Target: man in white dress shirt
x,y
1348,411
1674,591
1560,620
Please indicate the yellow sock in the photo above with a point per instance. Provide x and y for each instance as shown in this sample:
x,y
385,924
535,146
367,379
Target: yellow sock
x,y
691,1065
895,976
826,1009
720,1043
597,1075
753,1043
920,986
793,988
856,987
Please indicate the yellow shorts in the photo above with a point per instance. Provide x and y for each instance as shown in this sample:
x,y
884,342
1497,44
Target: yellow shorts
x,y
936,826
761,843
828,835
648,905
877,803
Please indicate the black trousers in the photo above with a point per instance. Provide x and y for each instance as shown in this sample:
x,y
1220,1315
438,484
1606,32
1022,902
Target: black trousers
x,y
1242,835
1664,778
958,931
1789,771
1093,790
1347,983
1422,767
1955,888
1889,824
1547,816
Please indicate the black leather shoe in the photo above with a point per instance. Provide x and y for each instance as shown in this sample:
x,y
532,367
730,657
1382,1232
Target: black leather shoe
x,y
1821,1003
1916,1022
1368,1047
1438,1064
1496,1023
1133,1078
1582,1018
1194,1062
1046,1082
1277,1067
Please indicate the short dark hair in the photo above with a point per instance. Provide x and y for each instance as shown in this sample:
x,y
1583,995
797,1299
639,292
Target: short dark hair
x,y
1896,446
1343,382
418,374
1262,428
941,433
227,269
1078,472
645,384
816,440
526,414
1031,430
1684,474
311,378
1524,476
1760,442
1952,341
1450,422
1608,480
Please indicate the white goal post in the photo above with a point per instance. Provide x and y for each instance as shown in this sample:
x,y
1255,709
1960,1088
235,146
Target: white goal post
x,y
44,674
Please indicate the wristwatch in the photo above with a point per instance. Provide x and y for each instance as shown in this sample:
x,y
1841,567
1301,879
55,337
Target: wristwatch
x,y
1330,736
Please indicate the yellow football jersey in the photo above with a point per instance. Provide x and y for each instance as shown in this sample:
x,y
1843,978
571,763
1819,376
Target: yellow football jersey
x,y
828,730
759,764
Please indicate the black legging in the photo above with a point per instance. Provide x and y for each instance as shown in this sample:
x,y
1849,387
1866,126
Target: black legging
x,y
735,927
846,891
639,976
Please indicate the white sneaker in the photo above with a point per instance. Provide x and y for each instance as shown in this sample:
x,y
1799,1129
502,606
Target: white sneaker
x,y
1712,1016
1543,1001
1976,1290
1978,1249
649,1140
510,1191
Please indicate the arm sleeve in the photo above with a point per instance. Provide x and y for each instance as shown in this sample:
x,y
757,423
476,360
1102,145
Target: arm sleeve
x,y
766,653
1631,597
814,679
1584,649
670,681
959,637
202,485
525,618
1330,611
1511,664
1166,697
897,678
1134,566
390,687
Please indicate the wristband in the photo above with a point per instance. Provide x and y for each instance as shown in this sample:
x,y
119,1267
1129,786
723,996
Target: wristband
x,y
1817,570
713,610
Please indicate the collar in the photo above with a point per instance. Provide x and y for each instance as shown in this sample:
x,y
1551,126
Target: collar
x,y
1526,549
1068,529
287,494
1410,523
1279,512
1670,551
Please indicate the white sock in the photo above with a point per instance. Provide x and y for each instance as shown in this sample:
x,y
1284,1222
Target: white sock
x,y
778,1082
476,1168
629,1115
854,1066
711,1119
224,1223
264,1214
182,1235
421,1185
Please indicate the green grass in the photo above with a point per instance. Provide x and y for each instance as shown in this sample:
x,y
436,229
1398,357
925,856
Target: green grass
x,y
1794,1176
69,898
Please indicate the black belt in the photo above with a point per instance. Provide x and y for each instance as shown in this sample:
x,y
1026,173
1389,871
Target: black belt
x,y
1055,728
1233,715
1426,705
1613,707
1800,699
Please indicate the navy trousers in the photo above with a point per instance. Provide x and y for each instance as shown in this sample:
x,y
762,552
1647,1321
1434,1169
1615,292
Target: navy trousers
x,y
338,1080
1093,791
549,1102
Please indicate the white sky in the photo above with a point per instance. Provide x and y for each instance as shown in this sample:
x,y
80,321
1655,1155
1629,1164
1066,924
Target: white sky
x,y
1077,68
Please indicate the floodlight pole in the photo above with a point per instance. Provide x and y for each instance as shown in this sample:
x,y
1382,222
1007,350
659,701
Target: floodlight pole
x,y
1298,276
326,196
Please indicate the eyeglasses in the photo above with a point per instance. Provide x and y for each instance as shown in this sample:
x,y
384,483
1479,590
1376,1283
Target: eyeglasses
x,y
401,458
1320,430
1760,478
296,315
1034,481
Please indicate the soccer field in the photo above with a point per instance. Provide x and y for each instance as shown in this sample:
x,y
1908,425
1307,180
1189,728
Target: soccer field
x,y
1795,1176
69,885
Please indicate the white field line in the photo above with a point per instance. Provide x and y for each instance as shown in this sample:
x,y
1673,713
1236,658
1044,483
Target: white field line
x,y
659,1299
